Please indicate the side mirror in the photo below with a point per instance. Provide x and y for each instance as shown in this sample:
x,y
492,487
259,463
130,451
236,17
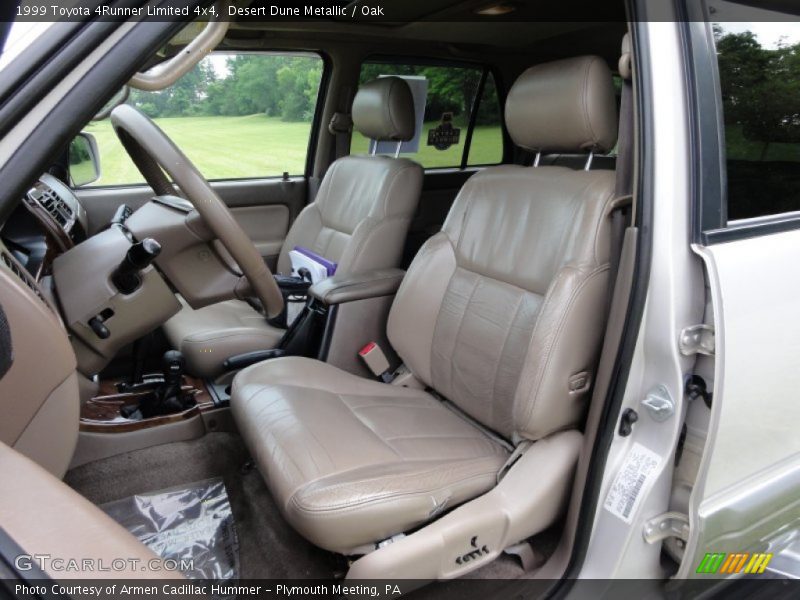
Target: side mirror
x,y
84,160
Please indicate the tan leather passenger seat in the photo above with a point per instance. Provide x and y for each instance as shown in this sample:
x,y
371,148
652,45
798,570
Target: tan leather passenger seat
x,y
501,313
359,220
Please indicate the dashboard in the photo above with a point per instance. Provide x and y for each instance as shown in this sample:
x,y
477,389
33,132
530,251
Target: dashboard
x,y
49,221
111,288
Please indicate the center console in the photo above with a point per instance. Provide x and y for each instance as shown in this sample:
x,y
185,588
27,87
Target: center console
x,y
358,308
341,315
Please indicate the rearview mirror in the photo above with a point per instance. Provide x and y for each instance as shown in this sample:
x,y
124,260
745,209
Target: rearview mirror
x,y
84,161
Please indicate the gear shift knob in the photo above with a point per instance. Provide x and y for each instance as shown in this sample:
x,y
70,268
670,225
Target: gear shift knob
x,y
173,364
168,397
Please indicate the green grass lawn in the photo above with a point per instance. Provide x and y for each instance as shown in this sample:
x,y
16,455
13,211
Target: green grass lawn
x,y
261,146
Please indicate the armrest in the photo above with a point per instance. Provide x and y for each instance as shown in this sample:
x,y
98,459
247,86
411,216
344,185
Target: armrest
x,y
240,361
357,286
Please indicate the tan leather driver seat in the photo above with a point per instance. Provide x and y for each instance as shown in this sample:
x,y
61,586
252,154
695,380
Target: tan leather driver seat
x,y
359,220
501,313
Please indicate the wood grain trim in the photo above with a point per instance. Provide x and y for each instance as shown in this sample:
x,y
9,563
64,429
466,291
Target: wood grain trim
x,y
102,413
53,229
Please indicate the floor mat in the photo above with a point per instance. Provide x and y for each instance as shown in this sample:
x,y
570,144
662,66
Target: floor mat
x,y
190,525
268,546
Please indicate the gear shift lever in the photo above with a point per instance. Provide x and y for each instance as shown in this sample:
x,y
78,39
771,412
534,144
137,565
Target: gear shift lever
x,y
170,397
172,364
167,398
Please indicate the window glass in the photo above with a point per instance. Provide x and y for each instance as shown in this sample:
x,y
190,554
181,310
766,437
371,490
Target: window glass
x,y
486,147
450,98
759,68
234,115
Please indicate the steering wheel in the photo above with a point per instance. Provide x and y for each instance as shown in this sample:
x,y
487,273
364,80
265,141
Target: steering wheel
x,y
154,153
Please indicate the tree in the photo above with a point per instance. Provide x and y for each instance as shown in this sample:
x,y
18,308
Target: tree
x,y
760,88
184,98
450,89
273,85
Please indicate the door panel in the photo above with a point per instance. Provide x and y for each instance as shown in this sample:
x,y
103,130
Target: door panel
x,y
267,225
755,285
746,497
264,207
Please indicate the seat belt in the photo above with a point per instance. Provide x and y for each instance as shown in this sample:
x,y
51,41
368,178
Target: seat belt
x,y
623,187
341,124
624,168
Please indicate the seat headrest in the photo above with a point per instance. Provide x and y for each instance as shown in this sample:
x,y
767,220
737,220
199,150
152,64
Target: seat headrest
x,y
564,106
383,109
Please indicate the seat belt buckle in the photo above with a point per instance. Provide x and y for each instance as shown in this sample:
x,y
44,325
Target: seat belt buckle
x,y
376,361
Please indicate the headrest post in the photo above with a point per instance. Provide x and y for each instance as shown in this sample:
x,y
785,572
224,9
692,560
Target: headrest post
x,y
588,164
537,158
373,146
397,150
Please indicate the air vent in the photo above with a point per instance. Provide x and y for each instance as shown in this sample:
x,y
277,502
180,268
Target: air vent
x,y
52,203
22,275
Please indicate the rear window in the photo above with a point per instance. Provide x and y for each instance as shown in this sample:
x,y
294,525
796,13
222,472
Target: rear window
x,y
451,95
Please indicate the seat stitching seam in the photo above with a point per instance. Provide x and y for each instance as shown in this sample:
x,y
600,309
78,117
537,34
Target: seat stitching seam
x,y
482,469
584,99
350,506
502,352
440,464
387,404
386,216
384,199
577,205
375,433
379,223
308,386
436,437
276,442
531,406
321,445
464,217
228,335
461,323
439,313
542,308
